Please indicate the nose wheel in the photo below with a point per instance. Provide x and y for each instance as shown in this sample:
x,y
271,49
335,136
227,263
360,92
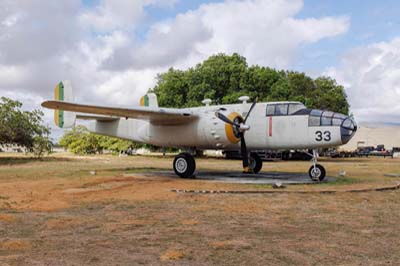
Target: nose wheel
x,y
316,172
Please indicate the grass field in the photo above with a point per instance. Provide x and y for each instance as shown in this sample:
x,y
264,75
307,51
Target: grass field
x,y
56,212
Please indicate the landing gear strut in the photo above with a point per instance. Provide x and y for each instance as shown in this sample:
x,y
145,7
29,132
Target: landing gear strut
x,y
184,165
316,172
255,163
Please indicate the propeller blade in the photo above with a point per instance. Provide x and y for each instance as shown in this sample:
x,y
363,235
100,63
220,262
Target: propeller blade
x,y
226,119
245,155
251,108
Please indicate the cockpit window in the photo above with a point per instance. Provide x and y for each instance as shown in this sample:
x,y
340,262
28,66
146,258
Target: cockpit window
x,y
270,109
326,118
340,116
315,112
281,109
294,107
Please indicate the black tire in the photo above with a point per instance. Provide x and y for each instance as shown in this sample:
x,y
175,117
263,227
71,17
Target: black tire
x,y
256,160
184,165
319,174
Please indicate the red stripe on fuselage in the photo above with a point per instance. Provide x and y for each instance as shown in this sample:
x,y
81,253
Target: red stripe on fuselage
x,y
270,126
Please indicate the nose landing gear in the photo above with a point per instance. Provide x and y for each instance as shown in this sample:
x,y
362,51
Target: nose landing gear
x,y
316,172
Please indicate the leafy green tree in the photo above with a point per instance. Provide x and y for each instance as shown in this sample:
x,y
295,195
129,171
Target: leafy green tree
x,y
331,95
23,128
224,78
80,141
41,145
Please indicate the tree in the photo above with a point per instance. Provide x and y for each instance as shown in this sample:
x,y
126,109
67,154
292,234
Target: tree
x,y
224,78
80,141
41,145
23,128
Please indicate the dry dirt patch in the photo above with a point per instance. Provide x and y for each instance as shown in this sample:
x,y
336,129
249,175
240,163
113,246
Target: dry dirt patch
x,y
14,244
62,223
172,254
190,222
7,218
230,244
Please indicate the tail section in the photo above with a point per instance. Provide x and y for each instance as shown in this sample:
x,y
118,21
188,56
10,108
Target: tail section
x,y
63,92
149,100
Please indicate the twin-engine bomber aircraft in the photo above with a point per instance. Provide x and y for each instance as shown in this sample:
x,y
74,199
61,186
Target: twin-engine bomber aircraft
x,y
248,126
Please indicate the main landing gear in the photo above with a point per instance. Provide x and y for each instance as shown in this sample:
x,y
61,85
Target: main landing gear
x,y
316,172
255,164
184,165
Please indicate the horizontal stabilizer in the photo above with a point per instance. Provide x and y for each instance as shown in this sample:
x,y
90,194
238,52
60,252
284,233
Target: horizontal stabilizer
x,y
157,116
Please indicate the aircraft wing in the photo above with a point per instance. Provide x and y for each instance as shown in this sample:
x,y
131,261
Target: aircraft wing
x,y
101,118
157,116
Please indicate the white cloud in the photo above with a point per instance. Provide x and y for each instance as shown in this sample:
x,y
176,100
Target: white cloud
x,y
110,15
265,32
10,76
166,43
42,42
127,87
371,75
119,14
38,30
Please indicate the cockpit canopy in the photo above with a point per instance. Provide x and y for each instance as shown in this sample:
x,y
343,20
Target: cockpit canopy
x,y
278,109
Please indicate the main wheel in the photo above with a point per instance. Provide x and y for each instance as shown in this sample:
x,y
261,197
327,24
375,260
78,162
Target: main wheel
x,y
184,165
255,163
318,173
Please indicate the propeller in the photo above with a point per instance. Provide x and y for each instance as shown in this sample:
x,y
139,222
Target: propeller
x,y
242,128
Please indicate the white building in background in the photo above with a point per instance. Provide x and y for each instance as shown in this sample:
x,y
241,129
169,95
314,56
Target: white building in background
x,y
369,134
11,148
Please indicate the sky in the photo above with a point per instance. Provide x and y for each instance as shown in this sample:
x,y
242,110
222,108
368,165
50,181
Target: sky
x,y
112,50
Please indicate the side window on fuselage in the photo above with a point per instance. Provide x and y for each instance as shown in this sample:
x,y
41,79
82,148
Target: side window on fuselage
x,y
277,109
281,109
270,109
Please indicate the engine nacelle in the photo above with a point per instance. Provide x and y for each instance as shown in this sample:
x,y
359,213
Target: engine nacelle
x,y
219,134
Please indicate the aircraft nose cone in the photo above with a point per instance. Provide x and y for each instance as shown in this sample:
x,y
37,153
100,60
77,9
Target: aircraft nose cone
x,y
347,129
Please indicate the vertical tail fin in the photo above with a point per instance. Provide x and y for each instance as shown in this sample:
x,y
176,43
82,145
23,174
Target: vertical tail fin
x,y
150,100
63,92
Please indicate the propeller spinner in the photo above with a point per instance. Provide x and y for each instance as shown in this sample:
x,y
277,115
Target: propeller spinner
x,y
242,128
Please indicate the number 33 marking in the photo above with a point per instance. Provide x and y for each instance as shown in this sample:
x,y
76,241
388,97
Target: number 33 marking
x,y
326,136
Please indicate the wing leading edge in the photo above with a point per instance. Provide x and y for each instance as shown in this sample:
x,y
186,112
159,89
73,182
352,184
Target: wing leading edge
x,y
157,116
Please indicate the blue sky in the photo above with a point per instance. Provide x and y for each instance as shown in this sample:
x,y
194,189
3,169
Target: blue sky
x,y
112,51
371,21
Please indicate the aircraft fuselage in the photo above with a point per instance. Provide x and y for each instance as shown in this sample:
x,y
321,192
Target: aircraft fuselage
x,y
273,125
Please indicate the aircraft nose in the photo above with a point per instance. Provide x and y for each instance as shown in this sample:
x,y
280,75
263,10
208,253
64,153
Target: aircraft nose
x,y
347,129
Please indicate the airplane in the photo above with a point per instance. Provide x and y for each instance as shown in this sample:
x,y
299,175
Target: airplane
x,y
245,126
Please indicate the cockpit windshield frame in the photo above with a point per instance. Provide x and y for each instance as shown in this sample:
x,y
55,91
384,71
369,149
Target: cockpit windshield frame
x,y
285,109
